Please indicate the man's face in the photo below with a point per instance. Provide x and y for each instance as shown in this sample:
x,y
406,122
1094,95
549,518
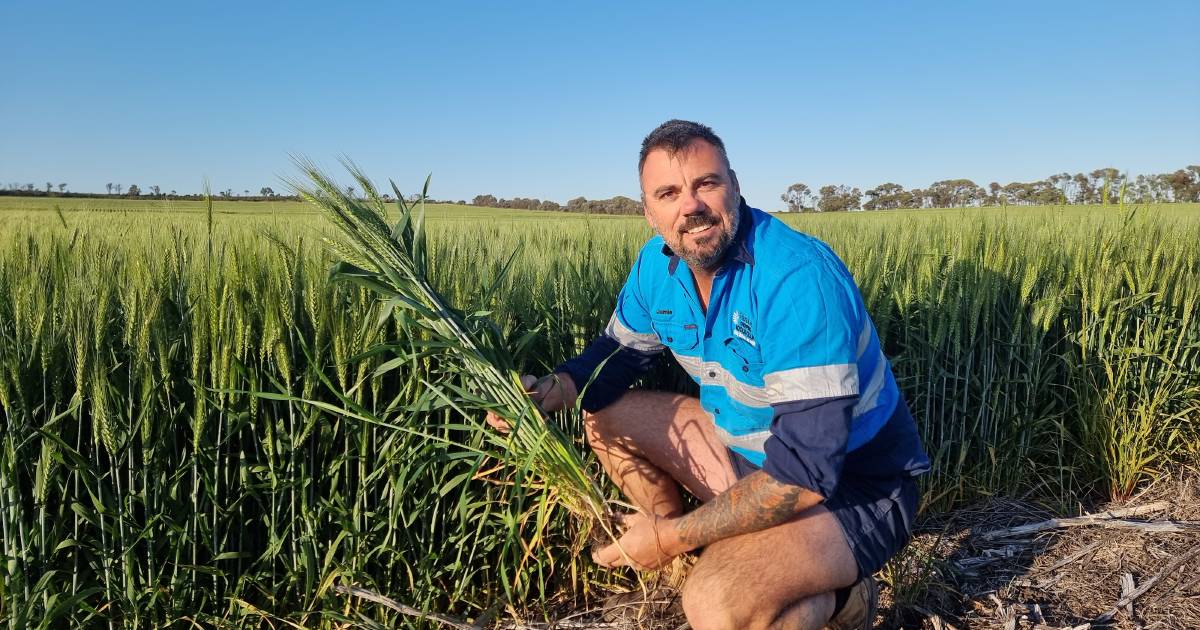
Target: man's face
x,y
691,198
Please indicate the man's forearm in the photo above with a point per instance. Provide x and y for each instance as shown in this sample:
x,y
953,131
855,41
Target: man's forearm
x,y
754,503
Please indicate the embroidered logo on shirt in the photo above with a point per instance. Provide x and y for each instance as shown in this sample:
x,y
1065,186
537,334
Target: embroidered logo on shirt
x,y
662,311
742,328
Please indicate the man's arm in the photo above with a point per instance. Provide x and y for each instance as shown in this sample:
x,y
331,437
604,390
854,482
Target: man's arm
x,y
804,460
756,502
610,364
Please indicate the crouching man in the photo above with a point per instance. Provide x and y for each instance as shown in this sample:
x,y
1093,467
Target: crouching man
x,y
800,446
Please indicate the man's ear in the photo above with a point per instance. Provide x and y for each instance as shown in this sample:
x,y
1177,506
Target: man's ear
x,y
737,188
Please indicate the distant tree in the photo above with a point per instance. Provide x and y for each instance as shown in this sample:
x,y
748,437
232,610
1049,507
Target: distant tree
x,y
887,196
993,196
1161,187
1106,180
1047,192
118,187
487,201
1082,188
266,191
1193,191
623,205
350,191
954,193
48,187
1064,184
227,193
109,187
155,190
62,188
1184,184
1041,192
1139,190
839,198
797,197
1015,193
173,193
549,206
134,191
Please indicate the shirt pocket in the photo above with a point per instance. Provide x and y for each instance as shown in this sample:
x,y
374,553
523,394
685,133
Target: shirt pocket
x,y
677,336
747,357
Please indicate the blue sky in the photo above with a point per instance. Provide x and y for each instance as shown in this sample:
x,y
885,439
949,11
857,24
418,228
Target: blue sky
x,y
551,99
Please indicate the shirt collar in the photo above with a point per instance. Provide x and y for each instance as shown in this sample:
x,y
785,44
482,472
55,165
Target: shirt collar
x,y
738,250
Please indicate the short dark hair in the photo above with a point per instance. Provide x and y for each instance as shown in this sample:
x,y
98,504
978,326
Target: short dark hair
x,y
675,135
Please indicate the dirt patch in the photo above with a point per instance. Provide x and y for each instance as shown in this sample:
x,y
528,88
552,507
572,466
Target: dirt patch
x,y
1012,564
970,569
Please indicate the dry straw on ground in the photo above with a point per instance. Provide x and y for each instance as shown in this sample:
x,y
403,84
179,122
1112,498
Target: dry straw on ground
x,y
1068,576
981,567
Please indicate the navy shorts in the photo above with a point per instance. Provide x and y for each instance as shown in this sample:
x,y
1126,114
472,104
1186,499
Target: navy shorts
x,y
876,513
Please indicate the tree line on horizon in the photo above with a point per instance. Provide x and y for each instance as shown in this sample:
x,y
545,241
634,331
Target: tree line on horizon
x,y
1103,185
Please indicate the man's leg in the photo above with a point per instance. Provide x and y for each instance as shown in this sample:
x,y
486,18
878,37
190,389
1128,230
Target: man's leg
x,y
650,442
782,577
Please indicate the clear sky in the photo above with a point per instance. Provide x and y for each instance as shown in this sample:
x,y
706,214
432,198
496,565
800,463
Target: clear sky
x,y
551,99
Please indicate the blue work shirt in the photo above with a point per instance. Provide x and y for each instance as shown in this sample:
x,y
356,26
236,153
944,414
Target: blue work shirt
x,y
788,362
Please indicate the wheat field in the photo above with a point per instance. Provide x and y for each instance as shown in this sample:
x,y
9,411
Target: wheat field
x,y
157,468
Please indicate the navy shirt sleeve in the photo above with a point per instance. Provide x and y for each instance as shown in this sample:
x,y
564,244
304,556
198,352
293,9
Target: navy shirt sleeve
x,y
811,376
615,367
626,350
807,446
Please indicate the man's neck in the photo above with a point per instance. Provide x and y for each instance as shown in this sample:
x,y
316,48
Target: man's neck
x,y
704,282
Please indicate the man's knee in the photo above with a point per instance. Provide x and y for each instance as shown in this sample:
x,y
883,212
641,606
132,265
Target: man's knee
x,y
712,602
727,607
708,605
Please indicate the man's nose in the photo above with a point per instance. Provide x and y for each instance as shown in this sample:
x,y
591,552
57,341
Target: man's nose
x,y
690,203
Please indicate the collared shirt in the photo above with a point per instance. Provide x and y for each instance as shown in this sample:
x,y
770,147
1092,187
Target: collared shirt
x,y
788,362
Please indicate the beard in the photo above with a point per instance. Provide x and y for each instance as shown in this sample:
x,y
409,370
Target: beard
x,y
707,250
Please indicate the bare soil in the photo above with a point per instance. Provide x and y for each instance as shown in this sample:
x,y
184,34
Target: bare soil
x,y
963,571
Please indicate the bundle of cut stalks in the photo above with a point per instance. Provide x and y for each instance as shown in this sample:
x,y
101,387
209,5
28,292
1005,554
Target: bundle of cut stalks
x,y
393,261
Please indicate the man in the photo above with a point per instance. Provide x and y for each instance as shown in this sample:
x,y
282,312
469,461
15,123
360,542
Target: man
x,y
799,446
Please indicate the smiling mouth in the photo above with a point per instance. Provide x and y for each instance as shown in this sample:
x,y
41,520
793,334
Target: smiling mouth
x,y
699,229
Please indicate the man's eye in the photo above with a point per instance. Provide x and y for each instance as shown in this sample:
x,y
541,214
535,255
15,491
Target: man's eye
x,y
667,195
708,184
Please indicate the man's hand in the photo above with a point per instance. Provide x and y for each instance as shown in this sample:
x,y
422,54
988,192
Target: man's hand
x,y
551,392
649,542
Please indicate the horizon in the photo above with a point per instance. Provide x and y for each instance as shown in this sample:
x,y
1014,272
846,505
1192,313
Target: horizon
x,y
552,102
